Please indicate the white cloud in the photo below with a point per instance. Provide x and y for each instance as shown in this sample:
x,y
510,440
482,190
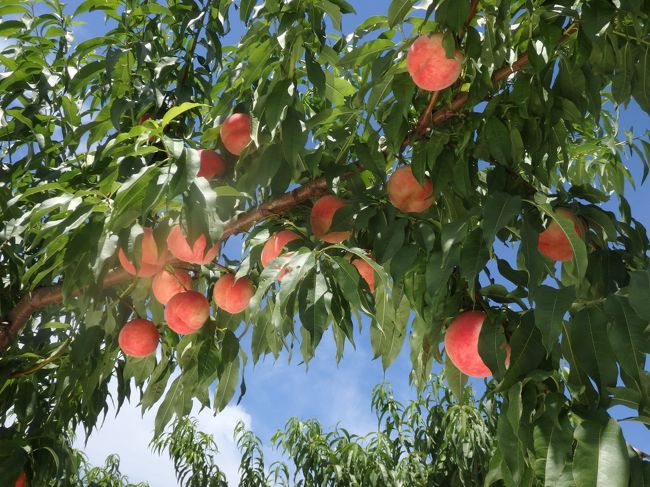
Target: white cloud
x,y
129,435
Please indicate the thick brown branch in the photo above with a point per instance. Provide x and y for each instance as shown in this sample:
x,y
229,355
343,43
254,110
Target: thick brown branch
x,y
45,296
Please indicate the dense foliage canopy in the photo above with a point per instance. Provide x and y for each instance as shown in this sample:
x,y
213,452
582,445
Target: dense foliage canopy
x,y
100,140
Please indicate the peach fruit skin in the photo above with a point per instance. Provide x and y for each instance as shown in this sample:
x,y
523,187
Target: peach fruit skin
x,y
212,164
233,296
166,285
406,194
21,481
179,247
429,66
461,344
187,312
321,219
152,259
139,338
366,272
236,133
553,243
273,246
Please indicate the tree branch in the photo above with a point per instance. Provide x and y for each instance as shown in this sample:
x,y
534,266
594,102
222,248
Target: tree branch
x,y
46,296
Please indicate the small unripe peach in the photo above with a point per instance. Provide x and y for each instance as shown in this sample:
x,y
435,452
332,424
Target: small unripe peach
x,y
187,312
212,164
461,344
138,338
236,133
321,219
406,194
429,66
152,260
553,243
166,285
274,245
233,296
366,272
180,248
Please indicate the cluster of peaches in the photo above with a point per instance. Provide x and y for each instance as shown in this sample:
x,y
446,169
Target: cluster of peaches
x,y
186,310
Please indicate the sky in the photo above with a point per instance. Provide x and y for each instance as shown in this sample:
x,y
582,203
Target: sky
x,y
276,391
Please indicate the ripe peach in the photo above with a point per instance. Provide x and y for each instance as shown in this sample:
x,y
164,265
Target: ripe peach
x,y
429,66
166,285
21,481
461,344
274,245
212,164
553,243
138,338
236,132
151,259
233,296
187,312
321,219
406,194
366,271
180,248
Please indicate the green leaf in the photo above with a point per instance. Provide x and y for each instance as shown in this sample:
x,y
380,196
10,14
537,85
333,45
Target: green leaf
x,y
499,210
229,373
363,54
398,10
600,458
527,351
639,289
175,112
337,88
551,305
627,336
587,331
492,347
456,379
474,255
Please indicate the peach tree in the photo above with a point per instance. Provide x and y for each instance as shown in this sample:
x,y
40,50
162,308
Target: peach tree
x,y
393,173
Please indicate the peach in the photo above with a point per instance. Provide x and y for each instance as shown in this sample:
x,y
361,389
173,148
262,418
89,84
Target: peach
x,y
429,66
233,296
152,260
187,312
212,164
138,338
274,245
461,344
166,285
553,243
321,219
366,272
406,194
180,248
21,481
236,132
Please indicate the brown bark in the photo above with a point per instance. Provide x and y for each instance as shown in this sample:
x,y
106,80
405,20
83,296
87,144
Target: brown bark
x,y
45,296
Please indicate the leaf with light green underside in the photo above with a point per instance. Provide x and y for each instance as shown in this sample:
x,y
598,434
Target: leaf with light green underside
x,y
600,458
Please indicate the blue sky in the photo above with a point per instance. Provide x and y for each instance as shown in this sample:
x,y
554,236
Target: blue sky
x,y
333,394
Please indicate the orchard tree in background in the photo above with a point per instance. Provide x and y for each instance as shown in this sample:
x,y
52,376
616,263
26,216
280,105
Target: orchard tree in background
x,y
452,165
